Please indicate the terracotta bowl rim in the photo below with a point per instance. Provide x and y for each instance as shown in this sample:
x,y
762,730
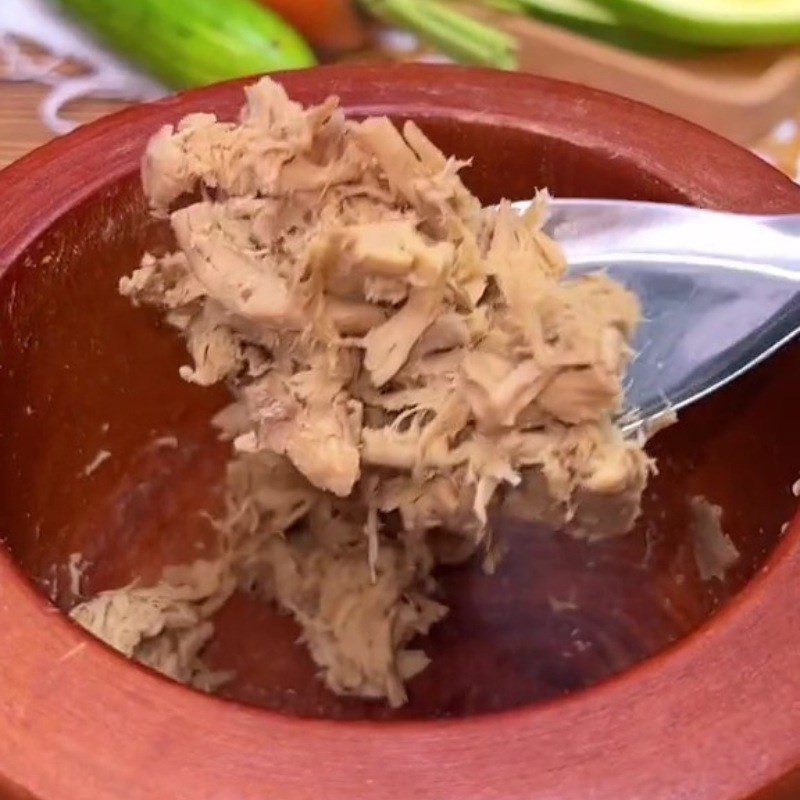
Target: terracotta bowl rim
x,y
367,757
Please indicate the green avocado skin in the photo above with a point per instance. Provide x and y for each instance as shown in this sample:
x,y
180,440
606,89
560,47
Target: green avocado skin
x,y
776,22
602,25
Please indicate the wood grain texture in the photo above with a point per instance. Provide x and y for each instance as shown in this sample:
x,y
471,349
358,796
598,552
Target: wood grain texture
x,y
714,717
741,94
21,127
22,130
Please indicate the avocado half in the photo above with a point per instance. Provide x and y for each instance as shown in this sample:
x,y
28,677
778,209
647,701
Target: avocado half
x,y
714,22
598,21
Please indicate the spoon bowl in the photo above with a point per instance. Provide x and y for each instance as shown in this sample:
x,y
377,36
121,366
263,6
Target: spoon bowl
x,y
719,291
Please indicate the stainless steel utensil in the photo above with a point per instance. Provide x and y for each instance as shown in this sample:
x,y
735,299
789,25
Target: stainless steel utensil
x,y
720,291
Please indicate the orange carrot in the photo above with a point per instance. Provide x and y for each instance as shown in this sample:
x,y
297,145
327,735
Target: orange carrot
x,y
330,26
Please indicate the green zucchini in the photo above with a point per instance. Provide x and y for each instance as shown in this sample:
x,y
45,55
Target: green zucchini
x,y
593,19
715,22
194,42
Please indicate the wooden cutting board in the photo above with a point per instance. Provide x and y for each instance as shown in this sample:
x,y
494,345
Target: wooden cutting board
x,y
741,94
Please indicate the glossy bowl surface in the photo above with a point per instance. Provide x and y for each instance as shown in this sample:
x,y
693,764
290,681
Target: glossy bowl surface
x,y
534,690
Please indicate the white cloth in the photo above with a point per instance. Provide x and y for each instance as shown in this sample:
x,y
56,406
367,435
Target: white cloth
x,y
40,23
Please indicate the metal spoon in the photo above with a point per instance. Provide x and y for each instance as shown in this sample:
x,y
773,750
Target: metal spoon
x,y
720,292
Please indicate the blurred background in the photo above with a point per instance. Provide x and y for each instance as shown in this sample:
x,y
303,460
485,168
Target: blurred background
x,y
729,65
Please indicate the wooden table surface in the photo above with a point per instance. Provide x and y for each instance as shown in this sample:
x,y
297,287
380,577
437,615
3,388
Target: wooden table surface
x,y
21,128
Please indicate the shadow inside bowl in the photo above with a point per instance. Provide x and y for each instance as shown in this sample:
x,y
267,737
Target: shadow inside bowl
x,y
84,374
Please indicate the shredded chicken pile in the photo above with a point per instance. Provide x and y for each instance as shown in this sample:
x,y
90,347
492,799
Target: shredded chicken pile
x,y
399,359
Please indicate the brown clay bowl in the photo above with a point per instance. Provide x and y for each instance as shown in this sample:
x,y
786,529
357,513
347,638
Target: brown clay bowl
x,y
607,671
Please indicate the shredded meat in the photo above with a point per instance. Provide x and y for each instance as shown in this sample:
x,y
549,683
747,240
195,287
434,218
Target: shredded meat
x,y
714,551
394,351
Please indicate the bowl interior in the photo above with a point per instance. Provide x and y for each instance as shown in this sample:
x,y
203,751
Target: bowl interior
x,y
82,372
